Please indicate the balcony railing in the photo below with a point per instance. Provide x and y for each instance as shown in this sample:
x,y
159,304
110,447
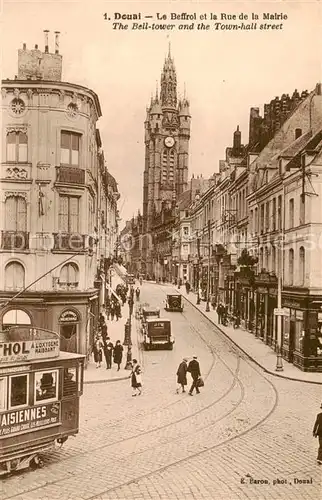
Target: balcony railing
x,y
14,240
73,242
70,175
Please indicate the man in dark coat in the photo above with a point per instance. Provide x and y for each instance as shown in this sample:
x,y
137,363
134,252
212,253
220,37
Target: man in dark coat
x,y
182,375
194,370
317,432
108,351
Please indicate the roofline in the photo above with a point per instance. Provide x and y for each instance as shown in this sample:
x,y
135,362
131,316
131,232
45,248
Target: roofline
x,y
51,83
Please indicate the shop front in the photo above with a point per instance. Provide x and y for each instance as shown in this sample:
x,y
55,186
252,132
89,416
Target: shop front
x,y
302,330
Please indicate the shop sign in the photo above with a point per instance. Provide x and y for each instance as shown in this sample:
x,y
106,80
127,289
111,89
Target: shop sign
x,y
262,289
282,311
291,303
11,352
68,317
28,419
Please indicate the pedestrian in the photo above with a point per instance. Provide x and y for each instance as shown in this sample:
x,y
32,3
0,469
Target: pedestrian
x,y
219,312
108,351
97,350
137,293
194,370
118,354
182,375
117,310
187,284
112,311
317,432
136,378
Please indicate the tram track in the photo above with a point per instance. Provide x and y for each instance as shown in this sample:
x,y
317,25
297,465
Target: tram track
x,y
235,381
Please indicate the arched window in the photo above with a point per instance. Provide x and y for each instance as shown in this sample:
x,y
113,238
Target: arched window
x,y
291,266
302,266
266,258
15,214
274,259
14,276
15,317
261,258
69,276
17,147
291,213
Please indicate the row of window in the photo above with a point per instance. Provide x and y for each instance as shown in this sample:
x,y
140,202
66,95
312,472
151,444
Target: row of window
x,y
17,147
14,389
14,277
294,269
269,216
68,214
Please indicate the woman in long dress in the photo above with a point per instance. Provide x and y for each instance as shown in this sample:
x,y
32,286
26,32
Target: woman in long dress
x,y
97,351
136,378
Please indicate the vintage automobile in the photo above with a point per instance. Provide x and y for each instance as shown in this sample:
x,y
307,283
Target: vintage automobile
x,y
150,312
157,333
174,303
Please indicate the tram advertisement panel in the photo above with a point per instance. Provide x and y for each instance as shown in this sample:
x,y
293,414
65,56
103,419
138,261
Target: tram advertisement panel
x,y
11,352
32,418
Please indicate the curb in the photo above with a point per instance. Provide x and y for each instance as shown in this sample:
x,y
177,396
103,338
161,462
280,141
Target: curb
x,y
247,354
103,381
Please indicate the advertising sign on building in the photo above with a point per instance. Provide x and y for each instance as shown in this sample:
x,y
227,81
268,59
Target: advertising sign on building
x,y
18,421
26,350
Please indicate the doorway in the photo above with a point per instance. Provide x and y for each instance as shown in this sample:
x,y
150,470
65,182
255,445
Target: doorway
x,y
291,341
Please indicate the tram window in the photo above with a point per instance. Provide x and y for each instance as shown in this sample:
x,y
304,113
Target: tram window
x,y
18,390
46,386
3,394
70,386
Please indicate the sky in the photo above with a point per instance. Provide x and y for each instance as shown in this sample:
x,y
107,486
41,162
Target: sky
x,y
224,72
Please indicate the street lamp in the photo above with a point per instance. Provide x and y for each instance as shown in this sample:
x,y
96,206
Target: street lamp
x,y
198,269
208,277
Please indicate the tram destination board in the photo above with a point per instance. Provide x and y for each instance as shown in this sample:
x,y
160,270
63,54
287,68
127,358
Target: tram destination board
x,y
29,419
12,352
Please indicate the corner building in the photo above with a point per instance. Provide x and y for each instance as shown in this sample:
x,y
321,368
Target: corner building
x,y
167,134
52,174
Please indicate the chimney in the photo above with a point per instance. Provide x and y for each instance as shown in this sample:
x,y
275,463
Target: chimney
x,y
237,140
36,46
24,46
57,42
46,41
318,89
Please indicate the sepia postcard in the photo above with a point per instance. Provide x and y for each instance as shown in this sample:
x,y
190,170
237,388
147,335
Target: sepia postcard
x,y
161,250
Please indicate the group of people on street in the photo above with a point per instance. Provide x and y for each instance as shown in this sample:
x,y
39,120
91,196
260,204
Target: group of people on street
x,y
194,369
103,345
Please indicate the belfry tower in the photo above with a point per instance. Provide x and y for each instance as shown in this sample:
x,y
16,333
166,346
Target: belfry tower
x,y
167,134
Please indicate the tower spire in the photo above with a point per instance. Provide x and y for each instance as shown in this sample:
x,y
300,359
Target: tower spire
x,y
168,93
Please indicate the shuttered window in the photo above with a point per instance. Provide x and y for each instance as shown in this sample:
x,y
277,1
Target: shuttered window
x,y
15,214
68,214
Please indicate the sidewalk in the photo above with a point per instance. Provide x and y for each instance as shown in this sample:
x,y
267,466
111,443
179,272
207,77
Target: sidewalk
x,y
263,355
115,331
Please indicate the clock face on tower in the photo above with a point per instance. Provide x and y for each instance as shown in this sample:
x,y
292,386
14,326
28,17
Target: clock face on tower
x,y
169,141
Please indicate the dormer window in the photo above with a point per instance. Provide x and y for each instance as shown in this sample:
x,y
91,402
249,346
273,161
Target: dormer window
x,y
298,133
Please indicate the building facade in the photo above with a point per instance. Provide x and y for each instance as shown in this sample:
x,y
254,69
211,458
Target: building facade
x,y
58,203
167,134
260,220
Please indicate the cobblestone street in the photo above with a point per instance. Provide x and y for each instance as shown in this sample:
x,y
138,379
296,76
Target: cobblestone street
x,y
247,435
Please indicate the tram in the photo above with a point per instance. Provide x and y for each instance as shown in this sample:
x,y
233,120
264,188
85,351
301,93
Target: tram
x,y
40,388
